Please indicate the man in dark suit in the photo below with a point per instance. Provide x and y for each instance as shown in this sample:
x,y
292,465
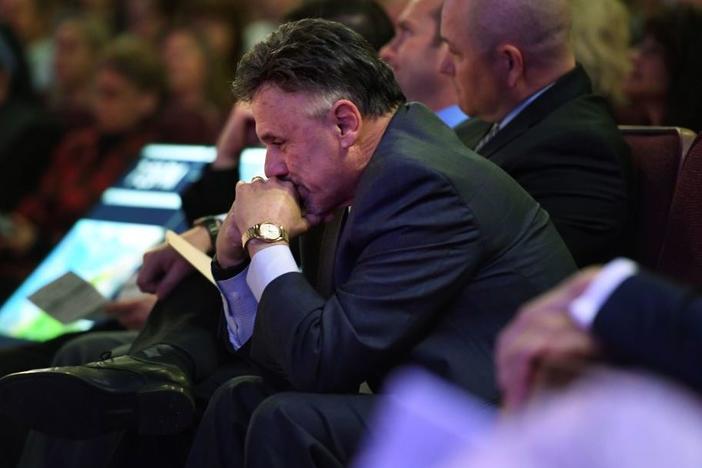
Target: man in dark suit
x,y
616,313
536,118
423,270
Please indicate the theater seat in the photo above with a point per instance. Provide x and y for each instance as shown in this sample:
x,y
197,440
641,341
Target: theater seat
x,y
656,156
681,254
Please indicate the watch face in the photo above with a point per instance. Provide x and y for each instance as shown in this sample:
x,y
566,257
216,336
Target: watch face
x,y
269,231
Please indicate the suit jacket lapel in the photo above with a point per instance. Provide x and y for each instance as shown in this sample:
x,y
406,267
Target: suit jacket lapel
x,y
566,88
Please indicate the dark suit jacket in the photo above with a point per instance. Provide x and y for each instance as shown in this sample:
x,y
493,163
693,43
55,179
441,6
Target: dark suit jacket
x,y
654,324
439,249
566,151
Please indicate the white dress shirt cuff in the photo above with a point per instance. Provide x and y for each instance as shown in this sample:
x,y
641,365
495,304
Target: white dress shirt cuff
x,y
585,307
239,308
267,265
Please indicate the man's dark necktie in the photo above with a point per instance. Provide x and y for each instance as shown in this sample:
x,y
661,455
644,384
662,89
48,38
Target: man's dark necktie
x,y
487,137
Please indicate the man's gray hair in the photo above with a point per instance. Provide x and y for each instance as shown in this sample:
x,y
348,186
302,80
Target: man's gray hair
x,y
323,59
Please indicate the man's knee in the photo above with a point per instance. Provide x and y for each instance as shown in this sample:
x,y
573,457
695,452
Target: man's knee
x,y
238,398
287,416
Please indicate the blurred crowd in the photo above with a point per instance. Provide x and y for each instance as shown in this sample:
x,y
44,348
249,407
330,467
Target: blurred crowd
x,y
85,83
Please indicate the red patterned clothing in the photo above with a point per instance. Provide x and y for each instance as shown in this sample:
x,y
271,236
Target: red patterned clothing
x,y
82,167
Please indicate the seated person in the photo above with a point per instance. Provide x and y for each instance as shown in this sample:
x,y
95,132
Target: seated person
x,y
78,44
197,93
129,87
415,55
416,270
214,192
534,115
663,87
616,312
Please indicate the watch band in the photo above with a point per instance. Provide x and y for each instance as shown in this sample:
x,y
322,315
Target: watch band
x,y
212,224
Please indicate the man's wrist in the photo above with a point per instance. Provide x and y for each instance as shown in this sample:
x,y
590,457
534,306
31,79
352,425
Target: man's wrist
x,y
212,224
255,245
220,272
584,308
235,255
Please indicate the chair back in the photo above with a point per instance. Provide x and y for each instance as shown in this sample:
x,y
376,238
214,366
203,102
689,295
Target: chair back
x,y
656,153
681,253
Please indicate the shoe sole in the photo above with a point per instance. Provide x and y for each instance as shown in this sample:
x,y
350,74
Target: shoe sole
x,y
66,406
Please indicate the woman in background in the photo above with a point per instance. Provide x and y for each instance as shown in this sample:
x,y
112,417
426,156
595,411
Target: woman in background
x,y
664,85
197,88
128,93
78,42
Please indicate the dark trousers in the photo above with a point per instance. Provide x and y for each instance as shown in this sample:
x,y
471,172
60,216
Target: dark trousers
x,y
249,421
247,424
189,320
25,356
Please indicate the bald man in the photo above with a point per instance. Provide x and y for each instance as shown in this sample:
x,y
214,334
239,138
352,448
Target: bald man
x,y
535,116
415,55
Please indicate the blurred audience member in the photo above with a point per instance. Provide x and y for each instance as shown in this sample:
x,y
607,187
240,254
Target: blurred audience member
x,y
129,88
221,23
149,19
601,45
663,86
366,17
27,133
415,55
102,11
198,92
607,420
617,313
265,15
78,42
31,22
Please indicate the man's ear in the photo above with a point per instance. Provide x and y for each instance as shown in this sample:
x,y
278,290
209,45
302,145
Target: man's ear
x,y
348,120
511,64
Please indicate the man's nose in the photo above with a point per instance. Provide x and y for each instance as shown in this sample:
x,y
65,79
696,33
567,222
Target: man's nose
x,y
275,164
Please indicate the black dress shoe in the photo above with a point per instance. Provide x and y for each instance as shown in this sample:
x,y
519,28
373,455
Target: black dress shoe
x,y
81,402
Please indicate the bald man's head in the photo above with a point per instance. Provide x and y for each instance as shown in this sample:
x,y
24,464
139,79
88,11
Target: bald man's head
x,y
502,51
541,28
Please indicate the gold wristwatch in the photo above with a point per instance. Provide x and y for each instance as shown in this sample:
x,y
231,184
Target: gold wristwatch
x,y
266,232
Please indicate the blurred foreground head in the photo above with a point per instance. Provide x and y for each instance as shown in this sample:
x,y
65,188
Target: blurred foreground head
x,y
608,419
